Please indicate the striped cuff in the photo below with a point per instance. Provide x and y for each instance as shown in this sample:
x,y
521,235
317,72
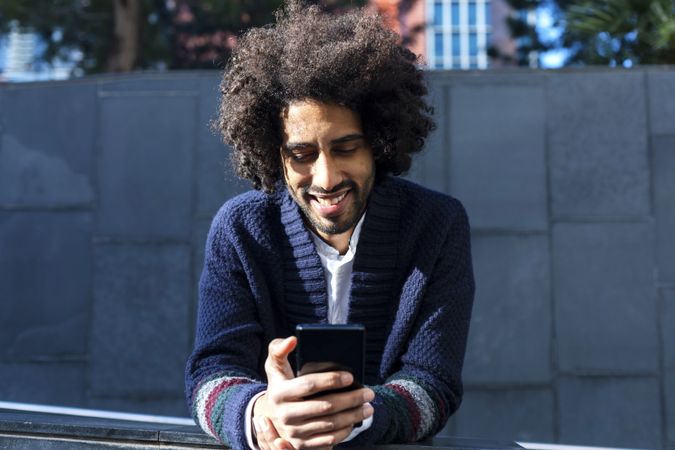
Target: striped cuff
x,y
414,413
210,400
421,408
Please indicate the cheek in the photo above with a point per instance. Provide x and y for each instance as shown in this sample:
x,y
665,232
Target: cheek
x,y
366,167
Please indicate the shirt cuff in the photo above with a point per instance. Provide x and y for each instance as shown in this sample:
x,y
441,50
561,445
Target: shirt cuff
x,y
248,421
358,430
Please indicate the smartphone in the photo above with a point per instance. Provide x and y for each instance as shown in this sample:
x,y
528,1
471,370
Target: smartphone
x,y
326,348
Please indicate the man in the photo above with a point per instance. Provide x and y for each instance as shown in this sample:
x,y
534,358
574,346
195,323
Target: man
x,y
320,111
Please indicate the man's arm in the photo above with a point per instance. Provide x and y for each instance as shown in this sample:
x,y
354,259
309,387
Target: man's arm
x,y
415,402
221,374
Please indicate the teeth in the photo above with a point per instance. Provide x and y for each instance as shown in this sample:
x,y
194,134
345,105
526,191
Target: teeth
x,y
331,200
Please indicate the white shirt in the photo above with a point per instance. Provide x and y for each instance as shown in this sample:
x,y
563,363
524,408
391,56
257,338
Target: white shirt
x,y
338,272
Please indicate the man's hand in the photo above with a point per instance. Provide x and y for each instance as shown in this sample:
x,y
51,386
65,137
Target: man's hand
x,y
267,436
323,421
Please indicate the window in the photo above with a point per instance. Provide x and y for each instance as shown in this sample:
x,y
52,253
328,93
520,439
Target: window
x,y
488,13
473,44
438,14
456,48
438,45
455,14
472,14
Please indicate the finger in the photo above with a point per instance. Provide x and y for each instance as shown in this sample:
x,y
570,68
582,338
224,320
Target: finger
x,y
341,401
260,435
301,411
272,436
268,428
314,383
331,423
276,364
281,444
329,439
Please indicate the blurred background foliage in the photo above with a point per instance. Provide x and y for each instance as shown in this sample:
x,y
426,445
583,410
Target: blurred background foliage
x,y
605,32
123,35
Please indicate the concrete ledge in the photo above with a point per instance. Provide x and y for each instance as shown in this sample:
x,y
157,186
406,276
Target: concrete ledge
x,y
20,430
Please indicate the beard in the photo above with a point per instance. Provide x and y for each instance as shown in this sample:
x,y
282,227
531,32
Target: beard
x,y
335,224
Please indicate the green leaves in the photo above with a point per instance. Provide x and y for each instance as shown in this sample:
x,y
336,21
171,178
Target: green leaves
x,y
618,32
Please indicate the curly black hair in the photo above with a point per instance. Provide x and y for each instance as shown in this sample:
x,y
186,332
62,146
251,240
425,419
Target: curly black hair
x,y
347,59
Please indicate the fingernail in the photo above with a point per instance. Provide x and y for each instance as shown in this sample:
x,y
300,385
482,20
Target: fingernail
x,y
367,410
368,395
347,378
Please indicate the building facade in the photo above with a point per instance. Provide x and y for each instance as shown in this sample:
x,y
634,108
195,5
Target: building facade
x,y
451,34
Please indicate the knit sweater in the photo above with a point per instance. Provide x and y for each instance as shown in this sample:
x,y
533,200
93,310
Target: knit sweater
x,y
412,287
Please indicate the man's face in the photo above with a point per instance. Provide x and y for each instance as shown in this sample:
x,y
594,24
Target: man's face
x,y
328,166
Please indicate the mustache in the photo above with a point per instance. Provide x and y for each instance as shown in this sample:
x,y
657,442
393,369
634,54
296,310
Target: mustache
x,y
317,190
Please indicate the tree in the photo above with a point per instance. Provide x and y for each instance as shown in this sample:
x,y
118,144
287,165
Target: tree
x,y
620,32
524,31
124,35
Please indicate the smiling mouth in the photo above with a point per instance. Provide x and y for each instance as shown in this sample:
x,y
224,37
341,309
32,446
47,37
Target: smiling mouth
x,y
329,201
329,205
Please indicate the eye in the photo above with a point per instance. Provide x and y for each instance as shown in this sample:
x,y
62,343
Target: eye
x,y
303,155
345,150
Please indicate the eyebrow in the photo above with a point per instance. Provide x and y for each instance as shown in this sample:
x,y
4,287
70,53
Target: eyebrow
x,y
347,138
289,147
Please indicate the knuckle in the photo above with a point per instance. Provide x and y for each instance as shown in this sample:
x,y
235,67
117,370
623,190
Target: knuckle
x,y
335,379
308,384
284,416
329,425
324,407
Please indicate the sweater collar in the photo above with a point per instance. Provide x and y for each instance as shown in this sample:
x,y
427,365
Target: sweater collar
x,y
375,263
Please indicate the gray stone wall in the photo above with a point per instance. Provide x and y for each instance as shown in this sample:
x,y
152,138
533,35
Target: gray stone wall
x,y
108,185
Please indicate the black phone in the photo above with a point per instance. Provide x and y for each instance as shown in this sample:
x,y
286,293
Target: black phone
x,y
326,348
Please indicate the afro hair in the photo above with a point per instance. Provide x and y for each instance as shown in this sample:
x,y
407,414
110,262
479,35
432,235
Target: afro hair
x,y
348,59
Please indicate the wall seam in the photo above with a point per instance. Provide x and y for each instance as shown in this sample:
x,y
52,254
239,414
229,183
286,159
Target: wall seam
x,y
96,188
659,306
553,349
194,210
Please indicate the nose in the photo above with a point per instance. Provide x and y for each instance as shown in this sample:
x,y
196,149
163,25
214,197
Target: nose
x,y
326,174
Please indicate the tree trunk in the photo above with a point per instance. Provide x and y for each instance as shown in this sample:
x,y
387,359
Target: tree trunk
x,y
125,50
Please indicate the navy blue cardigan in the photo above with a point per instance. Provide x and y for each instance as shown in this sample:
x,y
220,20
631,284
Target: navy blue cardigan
x,y
412,287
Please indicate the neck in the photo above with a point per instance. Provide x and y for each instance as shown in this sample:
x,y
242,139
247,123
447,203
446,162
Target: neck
x,y
339,242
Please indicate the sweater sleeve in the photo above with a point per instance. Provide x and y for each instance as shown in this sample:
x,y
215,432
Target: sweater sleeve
x,y
416,401
222,371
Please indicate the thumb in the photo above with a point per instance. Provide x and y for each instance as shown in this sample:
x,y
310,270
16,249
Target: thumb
x,y
277,365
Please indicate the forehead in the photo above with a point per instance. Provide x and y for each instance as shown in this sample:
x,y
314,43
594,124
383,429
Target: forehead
x,y
310,120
